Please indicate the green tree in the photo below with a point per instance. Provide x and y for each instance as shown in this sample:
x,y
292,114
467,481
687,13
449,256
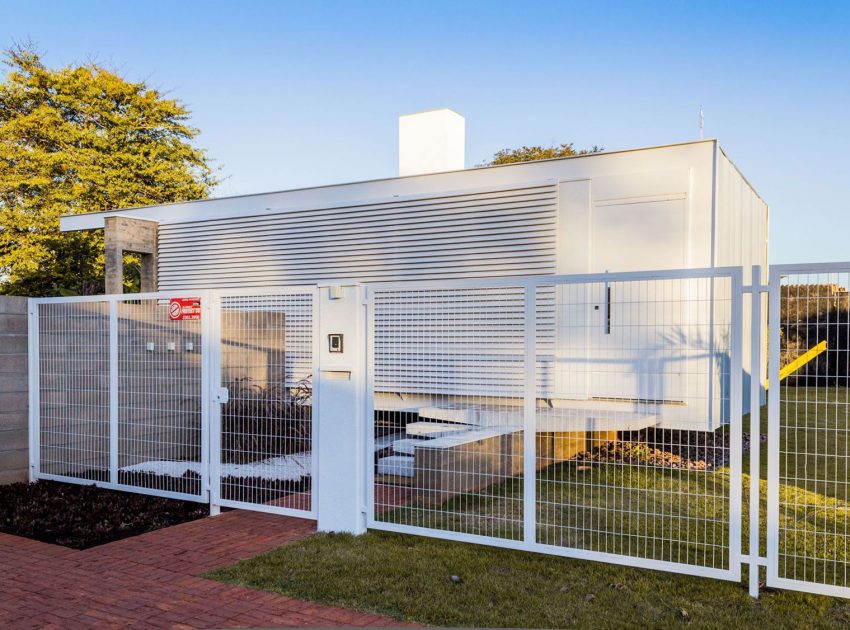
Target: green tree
x,y
528,154
82,139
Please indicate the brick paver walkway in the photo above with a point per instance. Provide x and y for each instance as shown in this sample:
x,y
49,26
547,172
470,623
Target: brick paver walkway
x,y
152,580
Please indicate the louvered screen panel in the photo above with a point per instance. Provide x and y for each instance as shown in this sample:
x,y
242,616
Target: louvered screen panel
x,y
509,231
459,341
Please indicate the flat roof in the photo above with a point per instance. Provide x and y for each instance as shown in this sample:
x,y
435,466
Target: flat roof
x,y
94,220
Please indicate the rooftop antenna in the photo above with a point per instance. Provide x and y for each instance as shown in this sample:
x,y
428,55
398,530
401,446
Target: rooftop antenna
x,y
701,122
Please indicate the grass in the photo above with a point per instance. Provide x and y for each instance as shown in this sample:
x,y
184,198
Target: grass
x,y
635,510
410,577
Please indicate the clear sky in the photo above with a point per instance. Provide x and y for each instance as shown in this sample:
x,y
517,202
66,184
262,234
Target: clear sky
x,y
291,94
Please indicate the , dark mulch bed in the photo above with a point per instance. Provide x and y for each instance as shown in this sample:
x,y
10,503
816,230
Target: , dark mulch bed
x,y
86,516
666,448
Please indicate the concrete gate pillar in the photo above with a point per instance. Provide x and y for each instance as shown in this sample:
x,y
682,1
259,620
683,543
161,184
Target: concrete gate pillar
x,y
341,496
139,236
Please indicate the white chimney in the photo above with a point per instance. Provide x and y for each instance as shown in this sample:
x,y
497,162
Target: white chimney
x,y
431,142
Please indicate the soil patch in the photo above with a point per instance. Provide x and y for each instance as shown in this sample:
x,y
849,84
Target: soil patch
x,y
85,516
666,448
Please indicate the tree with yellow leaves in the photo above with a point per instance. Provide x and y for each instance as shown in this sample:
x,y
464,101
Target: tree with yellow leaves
x,y
82,139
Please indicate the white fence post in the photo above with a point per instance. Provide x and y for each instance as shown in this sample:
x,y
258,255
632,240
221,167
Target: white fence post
x,y
34,437
755,426
210,407
736,417
113,391
341,391
530,418
774,342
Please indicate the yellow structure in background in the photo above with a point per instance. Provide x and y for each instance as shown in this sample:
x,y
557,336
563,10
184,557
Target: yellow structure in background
x,y
799,362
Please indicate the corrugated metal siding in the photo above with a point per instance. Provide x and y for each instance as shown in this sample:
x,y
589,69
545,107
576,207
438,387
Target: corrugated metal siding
x,y
497,232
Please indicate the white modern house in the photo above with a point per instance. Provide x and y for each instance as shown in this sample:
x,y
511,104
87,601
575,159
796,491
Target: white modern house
x,y
682,206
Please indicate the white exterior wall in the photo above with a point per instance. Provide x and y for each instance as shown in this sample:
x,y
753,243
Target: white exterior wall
x,y
633,210
231,241
741,238
491,232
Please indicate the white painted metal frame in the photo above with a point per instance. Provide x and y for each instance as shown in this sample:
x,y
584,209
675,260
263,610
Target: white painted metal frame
x,y
753,556
731,572
218,395
34,394
777,273
210,397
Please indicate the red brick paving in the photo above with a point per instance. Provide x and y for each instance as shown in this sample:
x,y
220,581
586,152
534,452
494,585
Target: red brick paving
x,y
151,581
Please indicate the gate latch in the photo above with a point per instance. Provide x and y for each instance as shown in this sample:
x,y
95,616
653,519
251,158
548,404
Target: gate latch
x,y
222,396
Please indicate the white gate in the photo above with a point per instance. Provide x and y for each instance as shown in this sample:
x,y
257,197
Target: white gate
x,y
808,509
119,394
485,430
264,425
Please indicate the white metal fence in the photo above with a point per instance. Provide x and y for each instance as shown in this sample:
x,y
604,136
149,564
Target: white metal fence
x,y
808,510
116,385
263,431
594,416
205,397
588,416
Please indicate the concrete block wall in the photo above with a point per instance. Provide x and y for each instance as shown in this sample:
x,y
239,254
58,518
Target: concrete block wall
x,y
14,448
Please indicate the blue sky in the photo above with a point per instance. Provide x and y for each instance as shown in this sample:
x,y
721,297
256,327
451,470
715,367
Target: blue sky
x,y
291,94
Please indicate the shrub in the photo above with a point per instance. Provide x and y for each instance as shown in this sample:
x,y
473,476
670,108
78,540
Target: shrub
x,y
259,422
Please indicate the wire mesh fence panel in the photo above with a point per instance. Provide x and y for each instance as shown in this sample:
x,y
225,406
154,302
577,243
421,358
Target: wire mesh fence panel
x,y
449,381
630,383
73,390
634,447
266,435
809,429
159,380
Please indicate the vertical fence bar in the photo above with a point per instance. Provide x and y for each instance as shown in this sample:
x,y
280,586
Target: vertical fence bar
x,y
772,524
315,412
370,405
34,391
113,391
529,418
736,413
206,395
755,426
213,416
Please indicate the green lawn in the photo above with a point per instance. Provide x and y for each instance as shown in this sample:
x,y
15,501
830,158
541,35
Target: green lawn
x,y
632,510
410,577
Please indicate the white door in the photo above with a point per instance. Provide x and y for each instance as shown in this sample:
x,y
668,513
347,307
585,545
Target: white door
x,y
637,327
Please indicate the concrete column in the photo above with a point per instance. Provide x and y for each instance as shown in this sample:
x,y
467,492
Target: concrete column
x,y
341,411
139,236
14,447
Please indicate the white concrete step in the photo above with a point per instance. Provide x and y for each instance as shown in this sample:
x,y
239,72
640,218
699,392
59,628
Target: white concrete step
x,y
385,441
396,465
407,446
434,429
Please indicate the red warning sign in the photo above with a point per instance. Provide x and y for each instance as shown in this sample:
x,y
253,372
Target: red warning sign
x,y
184,308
